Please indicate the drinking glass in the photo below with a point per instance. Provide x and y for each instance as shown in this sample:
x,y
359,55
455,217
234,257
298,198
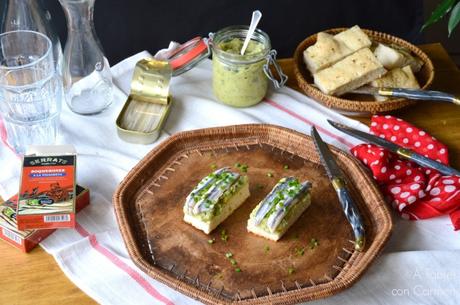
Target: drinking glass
x,y
31,15
31,90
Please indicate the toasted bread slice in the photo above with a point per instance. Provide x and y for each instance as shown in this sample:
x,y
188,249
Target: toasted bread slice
x,y
215,198
350,73
231,205
280,209
275,236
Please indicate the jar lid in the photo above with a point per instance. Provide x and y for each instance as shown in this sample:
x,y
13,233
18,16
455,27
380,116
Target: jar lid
x,y
188,55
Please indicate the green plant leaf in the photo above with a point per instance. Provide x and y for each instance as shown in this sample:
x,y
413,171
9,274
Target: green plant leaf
x,y
454,18
440,11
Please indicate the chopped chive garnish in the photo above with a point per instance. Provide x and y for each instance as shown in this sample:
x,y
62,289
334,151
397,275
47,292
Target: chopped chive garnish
x,y
291,270
237,269
266,248
228,254
299,251
270,174
237,164
213,166
286,166
223,235
313,243
244,168
233,262
211,241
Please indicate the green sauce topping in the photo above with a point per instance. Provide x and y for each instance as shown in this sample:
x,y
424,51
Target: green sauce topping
x,y
235,45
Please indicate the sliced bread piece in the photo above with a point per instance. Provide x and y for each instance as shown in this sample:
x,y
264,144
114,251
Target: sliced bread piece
x,y
354,38
280,209
215,198
329,49
396,78
388,57
325,52
350,73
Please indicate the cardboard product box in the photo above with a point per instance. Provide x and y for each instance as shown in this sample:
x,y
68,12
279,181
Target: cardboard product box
x,y
26,240
47,192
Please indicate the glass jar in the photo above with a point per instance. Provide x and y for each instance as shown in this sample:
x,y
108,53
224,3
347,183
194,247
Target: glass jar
x,y
242,80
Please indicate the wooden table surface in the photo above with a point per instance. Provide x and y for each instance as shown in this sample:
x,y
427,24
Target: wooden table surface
x,y
35,278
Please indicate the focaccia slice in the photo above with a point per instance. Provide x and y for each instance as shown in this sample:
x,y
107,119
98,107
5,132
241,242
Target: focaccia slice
x,y
329,49
350,73
325,52
396,78
354,38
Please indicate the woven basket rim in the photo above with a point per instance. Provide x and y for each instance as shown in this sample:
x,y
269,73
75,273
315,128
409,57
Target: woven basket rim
x,y
350,273
354,106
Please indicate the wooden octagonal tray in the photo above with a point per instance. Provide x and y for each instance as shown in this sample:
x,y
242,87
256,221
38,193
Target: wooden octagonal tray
x,y
356,104
148,204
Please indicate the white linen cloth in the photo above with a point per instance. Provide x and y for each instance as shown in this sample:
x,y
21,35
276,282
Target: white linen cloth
x,y
420,265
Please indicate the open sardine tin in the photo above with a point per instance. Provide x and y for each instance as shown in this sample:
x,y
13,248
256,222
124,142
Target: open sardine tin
x,y
148,104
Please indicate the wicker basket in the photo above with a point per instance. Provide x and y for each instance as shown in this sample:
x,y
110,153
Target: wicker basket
x,y
353,104
148,205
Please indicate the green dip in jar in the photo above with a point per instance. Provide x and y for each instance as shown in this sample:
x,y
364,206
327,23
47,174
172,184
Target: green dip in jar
x,y
239,80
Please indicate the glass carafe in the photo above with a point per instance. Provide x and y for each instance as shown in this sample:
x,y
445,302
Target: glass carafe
x,y
87,76
30,15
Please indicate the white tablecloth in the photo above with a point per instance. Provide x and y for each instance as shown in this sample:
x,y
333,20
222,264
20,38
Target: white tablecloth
x,y
420,265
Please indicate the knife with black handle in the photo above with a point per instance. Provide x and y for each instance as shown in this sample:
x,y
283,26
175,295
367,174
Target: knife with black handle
x,y
336,176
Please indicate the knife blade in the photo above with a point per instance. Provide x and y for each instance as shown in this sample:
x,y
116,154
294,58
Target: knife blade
x,y
399,150
337,179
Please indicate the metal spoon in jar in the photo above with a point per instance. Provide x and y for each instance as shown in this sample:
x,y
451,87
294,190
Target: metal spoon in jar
x,y
256,16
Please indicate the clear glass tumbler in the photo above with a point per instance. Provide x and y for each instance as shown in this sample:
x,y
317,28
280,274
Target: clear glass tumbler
x,y
31,90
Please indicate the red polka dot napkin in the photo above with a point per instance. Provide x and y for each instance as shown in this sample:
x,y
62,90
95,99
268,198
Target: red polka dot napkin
x,y
414,191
